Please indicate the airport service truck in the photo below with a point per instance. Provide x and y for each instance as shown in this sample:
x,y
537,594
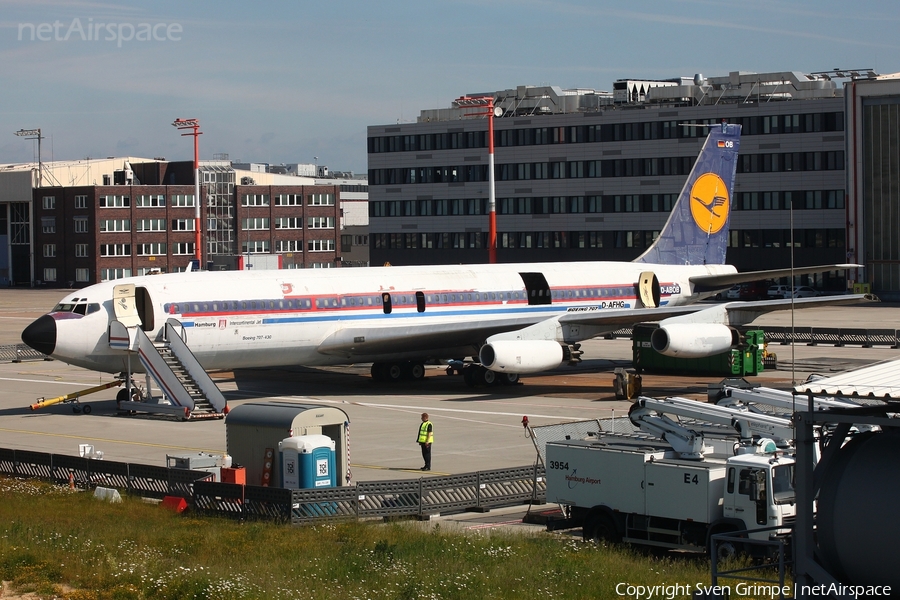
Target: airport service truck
x,y
679,487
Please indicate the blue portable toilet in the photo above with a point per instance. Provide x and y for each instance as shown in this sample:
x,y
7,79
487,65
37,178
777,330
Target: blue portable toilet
x,y
307,461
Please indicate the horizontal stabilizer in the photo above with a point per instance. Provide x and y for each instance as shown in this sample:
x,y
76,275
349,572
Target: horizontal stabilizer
x,y
711,283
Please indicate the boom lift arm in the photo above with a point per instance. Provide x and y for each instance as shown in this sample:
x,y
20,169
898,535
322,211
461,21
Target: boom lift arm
x,y
780,399
649,414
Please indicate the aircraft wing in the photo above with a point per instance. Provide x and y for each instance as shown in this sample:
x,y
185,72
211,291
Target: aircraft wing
x,y
440,337
453,338
743,313
711,283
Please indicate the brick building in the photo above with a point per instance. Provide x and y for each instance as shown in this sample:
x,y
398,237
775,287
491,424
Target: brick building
x,y
142,219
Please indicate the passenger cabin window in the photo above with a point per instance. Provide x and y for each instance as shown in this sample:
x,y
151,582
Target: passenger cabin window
x,y
731,480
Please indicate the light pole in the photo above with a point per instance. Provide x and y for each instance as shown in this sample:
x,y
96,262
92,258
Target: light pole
x,y
34,134
484,106
194,124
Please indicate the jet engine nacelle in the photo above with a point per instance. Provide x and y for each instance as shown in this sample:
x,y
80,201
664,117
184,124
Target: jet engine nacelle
x,y
694,340
521,356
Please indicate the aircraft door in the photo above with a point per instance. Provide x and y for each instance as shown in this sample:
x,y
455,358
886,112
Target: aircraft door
x,y
125,306
537,288
648,289
133,306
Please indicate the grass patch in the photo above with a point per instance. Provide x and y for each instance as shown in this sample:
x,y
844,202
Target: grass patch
x,y
63,544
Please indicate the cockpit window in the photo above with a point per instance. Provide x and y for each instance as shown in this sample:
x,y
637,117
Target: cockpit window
x,y
77,306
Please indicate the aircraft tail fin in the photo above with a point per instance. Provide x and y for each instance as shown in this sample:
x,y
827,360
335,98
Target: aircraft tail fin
x,y
697,230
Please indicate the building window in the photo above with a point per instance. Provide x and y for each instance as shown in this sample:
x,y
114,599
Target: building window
x,y
81,250
182,199
320,222
255,200
49,250
183,248
288,200
152,201
112,225
151,225
114,201
321,200
48,224
255,247
50,274
81,225
115,249
288,223
49,202
182,225
289,246
80,201
320,245
110,274
321,265
82,275
152,249
261,223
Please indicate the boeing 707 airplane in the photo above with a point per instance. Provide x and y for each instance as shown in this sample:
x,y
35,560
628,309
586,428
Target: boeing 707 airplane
x,y
512,319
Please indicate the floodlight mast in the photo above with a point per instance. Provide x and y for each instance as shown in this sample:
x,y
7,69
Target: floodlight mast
x,y
194,124
35,134
484,106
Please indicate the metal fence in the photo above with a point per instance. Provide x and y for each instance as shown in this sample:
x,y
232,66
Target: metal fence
x,y
144,480
421,497
20,352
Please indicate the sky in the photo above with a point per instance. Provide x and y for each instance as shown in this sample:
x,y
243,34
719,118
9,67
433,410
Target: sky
x,y
299,81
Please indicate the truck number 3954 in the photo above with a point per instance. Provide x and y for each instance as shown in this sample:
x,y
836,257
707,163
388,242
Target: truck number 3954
x,y
688,478
556,464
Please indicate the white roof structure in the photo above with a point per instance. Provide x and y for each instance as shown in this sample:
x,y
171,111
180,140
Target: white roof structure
x,y
879,381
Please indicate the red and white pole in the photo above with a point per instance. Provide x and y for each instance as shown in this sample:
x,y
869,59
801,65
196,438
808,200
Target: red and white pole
x,y
194,124
492,196
198,238
484,106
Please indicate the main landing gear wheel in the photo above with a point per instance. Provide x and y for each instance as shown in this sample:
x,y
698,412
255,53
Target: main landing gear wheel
x,y
395,371
414,371
508,378
476,375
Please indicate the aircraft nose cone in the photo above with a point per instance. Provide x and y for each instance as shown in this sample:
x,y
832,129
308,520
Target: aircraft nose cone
x,y
41,335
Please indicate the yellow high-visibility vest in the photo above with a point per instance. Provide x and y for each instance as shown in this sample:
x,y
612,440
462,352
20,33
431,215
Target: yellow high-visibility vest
x,y
426,436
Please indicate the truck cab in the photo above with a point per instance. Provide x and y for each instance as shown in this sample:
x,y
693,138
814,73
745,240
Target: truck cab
x,y
759,491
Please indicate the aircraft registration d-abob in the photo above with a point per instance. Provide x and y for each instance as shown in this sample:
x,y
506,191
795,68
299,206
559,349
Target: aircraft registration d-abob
x,y
515,318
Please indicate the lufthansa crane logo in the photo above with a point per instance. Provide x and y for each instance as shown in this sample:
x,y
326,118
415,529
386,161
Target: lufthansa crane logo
x,y
709,203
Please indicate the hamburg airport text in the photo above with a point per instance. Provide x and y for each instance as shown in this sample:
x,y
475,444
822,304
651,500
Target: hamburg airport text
x,y
100,32
741,590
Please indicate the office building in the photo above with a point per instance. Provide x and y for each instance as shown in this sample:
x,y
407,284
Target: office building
x,y
589,175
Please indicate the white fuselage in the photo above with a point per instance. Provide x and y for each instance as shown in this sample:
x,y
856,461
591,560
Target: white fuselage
x,y
287,317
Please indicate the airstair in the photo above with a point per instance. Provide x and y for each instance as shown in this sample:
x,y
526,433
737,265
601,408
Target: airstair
x,y
187,391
